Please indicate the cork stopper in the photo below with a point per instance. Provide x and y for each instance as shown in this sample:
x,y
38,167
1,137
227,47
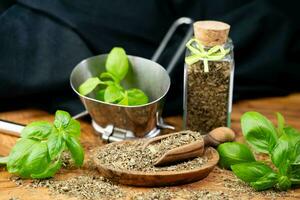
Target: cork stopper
x,y
211,33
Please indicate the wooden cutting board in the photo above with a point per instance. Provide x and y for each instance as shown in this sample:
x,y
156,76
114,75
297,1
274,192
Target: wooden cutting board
x,y
216,181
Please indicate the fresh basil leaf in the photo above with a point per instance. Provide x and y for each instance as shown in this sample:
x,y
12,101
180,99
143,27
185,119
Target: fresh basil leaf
x,y
280,154
107,75
76,150
36,161
112,94
295,171
89,85
56,145
250,172
258,131
136,97
3,160
117,63
49,171
37,130
296,152
27,156
73,128
284,183
294,174
107,83
295,181
19,154
265,182
280,124
62,119
124,101
111,83
234,153
66,124
293,135
100,95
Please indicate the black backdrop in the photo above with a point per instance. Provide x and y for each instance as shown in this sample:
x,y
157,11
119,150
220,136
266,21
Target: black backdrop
x,y
42,40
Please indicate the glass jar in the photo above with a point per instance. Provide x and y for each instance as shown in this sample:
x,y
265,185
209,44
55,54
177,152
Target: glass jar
x,y
208,86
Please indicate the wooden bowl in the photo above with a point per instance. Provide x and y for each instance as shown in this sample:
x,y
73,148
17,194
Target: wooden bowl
x,y
162,178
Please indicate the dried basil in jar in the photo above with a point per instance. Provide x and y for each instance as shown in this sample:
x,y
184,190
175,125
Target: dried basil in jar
x,y
208,77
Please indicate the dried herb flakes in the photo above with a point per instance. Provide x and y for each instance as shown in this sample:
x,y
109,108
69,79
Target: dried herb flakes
x,y
184,194
132,155
207,95
83,187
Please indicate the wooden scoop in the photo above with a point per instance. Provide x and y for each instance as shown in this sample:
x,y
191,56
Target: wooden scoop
x,y
160,178
194,149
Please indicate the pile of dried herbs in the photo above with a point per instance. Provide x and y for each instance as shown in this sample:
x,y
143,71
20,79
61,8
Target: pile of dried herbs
x,y
157,193
207,95
173,141
184,194
92,186
132,155
85,186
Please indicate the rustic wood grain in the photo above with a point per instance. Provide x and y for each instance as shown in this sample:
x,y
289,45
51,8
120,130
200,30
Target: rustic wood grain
x,y
289,106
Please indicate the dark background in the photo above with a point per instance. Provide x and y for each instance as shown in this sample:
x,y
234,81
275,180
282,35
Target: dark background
x,y
42,40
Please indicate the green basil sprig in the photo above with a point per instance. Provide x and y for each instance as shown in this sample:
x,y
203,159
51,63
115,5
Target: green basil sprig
x,y
281,143
37,154
109,83
251,171
234,153
117,64
258,131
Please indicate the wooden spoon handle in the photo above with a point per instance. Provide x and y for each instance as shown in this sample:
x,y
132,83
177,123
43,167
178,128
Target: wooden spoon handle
x,y
184,152
219,136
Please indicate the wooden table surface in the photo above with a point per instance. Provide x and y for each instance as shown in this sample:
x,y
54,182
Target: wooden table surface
x,y
289,106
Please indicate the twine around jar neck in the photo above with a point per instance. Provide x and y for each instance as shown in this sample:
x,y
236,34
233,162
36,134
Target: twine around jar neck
x,y
198,52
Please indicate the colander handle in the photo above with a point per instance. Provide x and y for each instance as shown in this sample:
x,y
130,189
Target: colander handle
x,y
179,22
11,128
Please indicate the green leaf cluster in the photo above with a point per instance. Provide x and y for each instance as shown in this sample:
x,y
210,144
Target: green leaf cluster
x,y
281,143
37,154
108,84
